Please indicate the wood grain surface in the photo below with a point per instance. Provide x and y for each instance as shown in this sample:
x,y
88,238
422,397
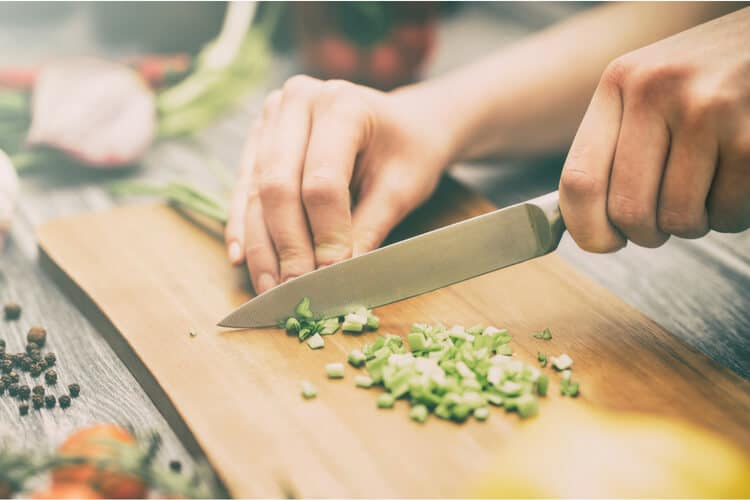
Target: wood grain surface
x,y
156,276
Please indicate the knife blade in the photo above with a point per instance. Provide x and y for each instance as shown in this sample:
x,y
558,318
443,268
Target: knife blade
x,y
414,266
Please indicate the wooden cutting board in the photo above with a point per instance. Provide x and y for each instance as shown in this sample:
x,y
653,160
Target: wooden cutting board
x,y
155,276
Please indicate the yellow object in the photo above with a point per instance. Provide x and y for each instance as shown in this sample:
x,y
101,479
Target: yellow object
x,y
582,452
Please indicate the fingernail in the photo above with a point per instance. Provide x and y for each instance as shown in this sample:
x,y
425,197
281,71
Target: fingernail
x,y
265,282
235,252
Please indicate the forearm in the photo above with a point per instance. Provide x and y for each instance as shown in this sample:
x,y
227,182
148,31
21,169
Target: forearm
x,y
530,98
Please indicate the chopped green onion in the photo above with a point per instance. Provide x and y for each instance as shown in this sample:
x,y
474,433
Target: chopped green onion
x,y
373,322
386,400
562,362
482,413
329,326
304,333
292,325
542,358
363,381
316,342
542,384
352,326
544,334
308,390
418,413
568,387
357,358
527,406
335,370
303,310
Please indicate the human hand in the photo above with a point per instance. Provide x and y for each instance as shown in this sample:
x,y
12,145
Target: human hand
x,y
328,170
664,147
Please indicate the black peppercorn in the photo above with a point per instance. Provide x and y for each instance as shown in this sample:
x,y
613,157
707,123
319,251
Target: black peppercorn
x,y
38,390
13,377
49,401
35,355
64,401
23,392
37,334
17,359
74,390
13,390
5,379
12,311
2,388
175,465
50,359
7,366
37,401
23,408
50,376
26,363
36,370
2,344
32,346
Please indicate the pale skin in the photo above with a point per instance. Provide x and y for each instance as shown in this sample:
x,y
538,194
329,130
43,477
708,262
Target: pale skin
x,y
662,148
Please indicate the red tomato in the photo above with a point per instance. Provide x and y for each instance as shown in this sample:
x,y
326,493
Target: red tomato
x,y
91,442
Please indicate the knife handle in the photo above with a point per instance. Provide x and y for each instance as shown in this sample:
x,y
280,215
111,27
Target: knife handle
x,y
546,216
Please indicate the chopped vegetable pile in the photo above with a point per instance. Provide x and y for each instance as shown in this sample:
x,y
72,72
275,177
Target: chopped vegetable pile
x,y
307,327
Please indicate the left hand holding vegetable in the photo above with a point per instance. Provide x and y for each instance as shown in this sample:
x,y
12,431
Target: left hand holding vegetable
x,y
664,147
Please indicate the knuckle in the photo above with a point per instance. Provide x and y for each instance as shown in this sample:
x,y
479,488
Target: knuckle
x,y
627,212
617,72
330,253
332,90
321,190
273,189
300,86
271,102
579,184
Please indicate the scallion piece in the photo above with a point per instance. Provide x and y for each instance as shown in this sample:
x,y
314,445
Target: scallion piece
x,y
373,322
357,358
542,384
542,358
363,381
303,310
543,335
329,326
561,362
316,342
308,390
418,413
352,326
386,400
292,325
335,370
482,413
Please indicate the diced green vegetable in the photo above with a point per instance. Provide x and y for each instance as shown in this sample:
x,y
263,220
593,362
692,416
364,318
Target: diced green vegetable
x,y
568,387
316,342
542,384
482,413
357,358
418,413
561,362
308,390
386,400
303,310
304,333
335,370
527,406
363,381
352,326
329,326
544,334
292,325
373,322
542,358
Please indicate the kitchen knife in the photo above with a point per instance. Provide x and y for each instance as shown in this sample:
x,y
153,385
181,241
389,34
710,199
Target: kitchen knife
x,y
414,266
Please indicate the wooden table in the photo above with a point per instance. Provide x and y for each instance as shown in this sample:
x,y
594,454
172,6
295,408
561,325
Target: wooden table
x,y
698,290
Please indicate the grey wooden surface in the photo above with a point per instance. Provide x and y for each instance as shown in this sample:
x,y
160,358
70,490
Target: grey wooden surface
x,y
698,290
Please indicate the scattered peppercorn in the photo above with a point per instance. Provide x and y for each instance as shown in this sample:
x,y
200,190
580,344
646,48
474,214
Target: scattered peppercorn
x,y
2,388
13,390
7,366
38,390
23,392
35,355
2,343
17,359
50,376
37,334
49,401
37,401
50,359
5,379
36,370
64,401
13,377
26,363
23,408
12,311
32,346
175,465
74,390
